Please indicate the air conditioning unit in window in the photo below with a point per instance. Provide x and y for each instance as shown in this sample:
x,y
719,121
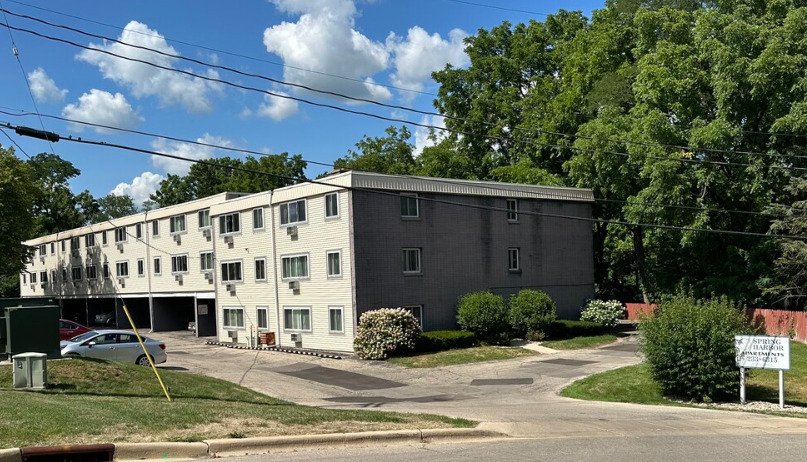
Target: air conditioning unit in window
x,y
233,334
209,275
122,282
230,287
177,238
294,285
120,247
74,252
43,285
178,277
33,286
42,259
228,239
296,337
206,232
291,231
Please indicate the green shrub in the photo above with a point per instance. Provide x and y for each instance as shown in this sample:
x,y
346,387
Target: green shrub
x,y
531,312
689,346
384,332
605,313
484,314
441,340
562,330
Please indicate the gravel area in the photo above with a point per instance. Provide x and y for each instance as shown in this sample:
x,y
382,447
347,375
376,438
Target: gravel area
x,y
752,406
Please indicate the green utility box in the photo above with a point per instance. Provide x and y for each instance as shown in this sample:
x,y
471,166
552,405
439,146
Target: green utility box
x,y
30,329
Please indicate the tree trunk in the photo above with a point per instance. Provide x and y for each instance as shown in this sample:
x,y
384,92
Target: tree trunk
x,y
638,251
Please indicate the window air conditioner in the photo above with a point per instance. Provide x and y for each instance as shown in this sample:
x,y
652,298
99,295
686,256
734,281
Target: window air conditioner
x,y
228,239
231,287
177,238
122,282
74,252
120,247
294,285
178,277
208,275
296,337
291,231
42,259
33,286
206,232
233,334
43,285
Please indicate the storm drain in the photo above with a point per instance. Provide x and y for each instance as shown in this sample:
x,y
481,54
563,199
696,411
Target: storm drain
x,y
339,378
518,381
567,362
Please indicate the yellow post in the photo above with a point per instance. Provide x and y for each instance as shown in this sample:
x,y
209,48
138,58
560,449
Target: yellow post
x,y
148,356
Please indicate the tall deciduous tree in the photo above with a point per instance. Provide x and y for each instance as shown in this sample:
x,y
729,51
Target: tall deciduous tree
x,y
18,192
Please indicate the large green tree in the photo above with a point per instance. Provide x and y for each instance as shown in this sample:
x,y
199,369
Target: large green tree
x,y
18,192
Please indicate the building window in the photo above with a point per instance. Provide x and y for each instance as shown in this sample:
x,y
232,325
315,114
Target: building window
x,y
513,261
176,224
76,273
411,261
206,259
179,264
158,267
332,205
43,250
141,267
52,248
120,235
231,272
62,246
139,230
43,277
103,238
409,206
417,312
64,275
263,317
91,273
53,276
24,280
297,319
295,267
122,269
233,317
106,271
89,240
336,326
155,228
75,243
512,210
334,261
257,219
204,218
292,212
230,223
33,278
260,269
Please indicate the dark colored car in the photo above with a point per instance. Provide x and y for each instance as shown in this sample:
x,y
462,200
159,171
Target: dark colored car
x,y
105,319
69,329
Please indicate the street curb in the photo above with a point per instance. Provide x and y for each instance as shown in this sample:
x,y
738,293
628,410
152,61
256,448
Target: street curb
x,y
245,446
458,434
11,455
137,451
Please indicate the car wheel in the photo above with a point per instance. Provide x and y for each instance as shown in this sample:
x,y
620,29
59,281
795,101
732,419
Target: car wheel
x,y
142,360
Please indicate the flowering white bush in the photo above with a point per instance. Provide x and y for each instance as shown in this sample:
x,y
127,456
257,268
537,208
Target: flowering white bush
x,y
385,331
604,313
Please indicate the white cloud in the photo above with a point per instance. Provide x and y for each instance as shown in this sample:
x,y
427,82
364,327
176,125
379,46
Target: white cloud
x,y
277,108
140,188
103,108
168,86
44,88
324,40
420,54
422,137
185,150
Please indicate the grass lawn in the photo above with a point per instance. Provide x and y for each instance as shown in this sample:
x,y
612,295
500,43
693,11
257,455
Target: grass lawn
x,y
460,356
92,401
633,384
580,342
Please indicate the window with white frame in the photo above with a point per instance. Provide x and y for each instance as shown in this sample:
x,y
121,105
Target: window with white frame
x,y
179,264
63,245
204,218
141,267
297,319
92,273
120,235
230,223
89,240
417,312
33,278
52,248
233,317
53,277
292,212
139,230
122,269
43,277
231,272
206,261
103,238
76,273
24,278
75,243
334,261
263,317
176,224
512,210
155,228
158,267
64,274
257,219
106,270
260,269
332,205
513,259
409,206
294,267
43,250
411,261
335,320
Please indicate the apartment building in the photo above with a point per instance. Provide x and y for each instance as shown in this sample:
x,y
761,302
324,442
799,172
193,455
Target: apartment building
x,y
305,261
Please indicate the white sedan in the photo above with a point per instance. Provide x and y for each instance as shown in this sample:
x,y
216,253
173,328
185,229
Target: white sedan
x,y
114,345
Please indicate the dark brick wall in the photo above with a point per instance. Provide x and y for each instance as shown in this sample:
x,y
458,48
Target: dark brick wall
x,y
465,250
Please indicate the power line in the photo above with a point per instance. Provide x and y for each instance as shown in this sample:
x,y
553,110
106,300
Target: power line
x,y
296,180
501,8
228,53
15,144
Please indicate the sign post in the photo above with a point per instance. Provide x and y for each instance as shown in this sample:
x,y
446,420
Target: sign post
x,y
762,352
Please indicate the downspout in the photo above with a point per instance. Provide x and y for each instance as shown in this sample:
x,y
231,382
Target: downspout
x,y
148,264
215,282
274,262
352,244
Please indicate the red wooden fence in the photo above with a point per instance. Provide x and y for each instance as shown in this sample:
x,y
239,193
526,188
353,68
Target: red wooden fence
x,y
775,322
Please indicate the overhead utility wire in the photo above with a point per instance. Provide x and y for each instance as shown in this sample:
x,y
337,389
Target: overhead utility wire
x,y
393,119
25,131
390,106
494,7
225,52
325,164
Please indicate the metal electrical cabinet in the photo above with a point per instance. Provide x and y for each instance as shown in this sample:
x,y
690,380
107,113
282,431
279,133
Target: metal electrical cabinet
x,y
30,370
30,329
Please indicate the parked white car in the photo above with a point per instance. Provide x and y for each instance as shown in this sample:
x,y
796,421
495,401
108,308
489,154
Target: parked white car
x,y
114,345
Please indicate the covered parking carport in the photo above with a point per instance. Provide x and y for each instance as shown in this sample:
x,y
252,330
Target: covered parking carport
x,y
173,313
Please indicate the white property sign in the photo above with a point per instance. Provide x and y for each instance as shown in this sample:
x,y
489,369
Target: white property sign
x,y
762,352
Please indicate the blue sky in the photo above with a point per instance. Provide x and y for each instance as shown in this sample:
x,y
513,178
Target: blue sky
x,y
396,43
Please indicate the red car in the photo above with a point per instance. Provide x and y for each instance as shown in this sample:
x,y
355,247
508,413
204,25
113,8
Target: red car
x,y
69,329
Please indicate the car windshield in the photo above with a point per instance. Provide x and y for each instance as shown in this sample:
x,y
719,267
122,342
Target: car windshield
x,y
83,337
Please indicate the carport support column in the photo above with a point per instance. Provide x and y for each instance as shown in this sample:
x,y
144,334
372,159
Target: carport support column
x,y
149,268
